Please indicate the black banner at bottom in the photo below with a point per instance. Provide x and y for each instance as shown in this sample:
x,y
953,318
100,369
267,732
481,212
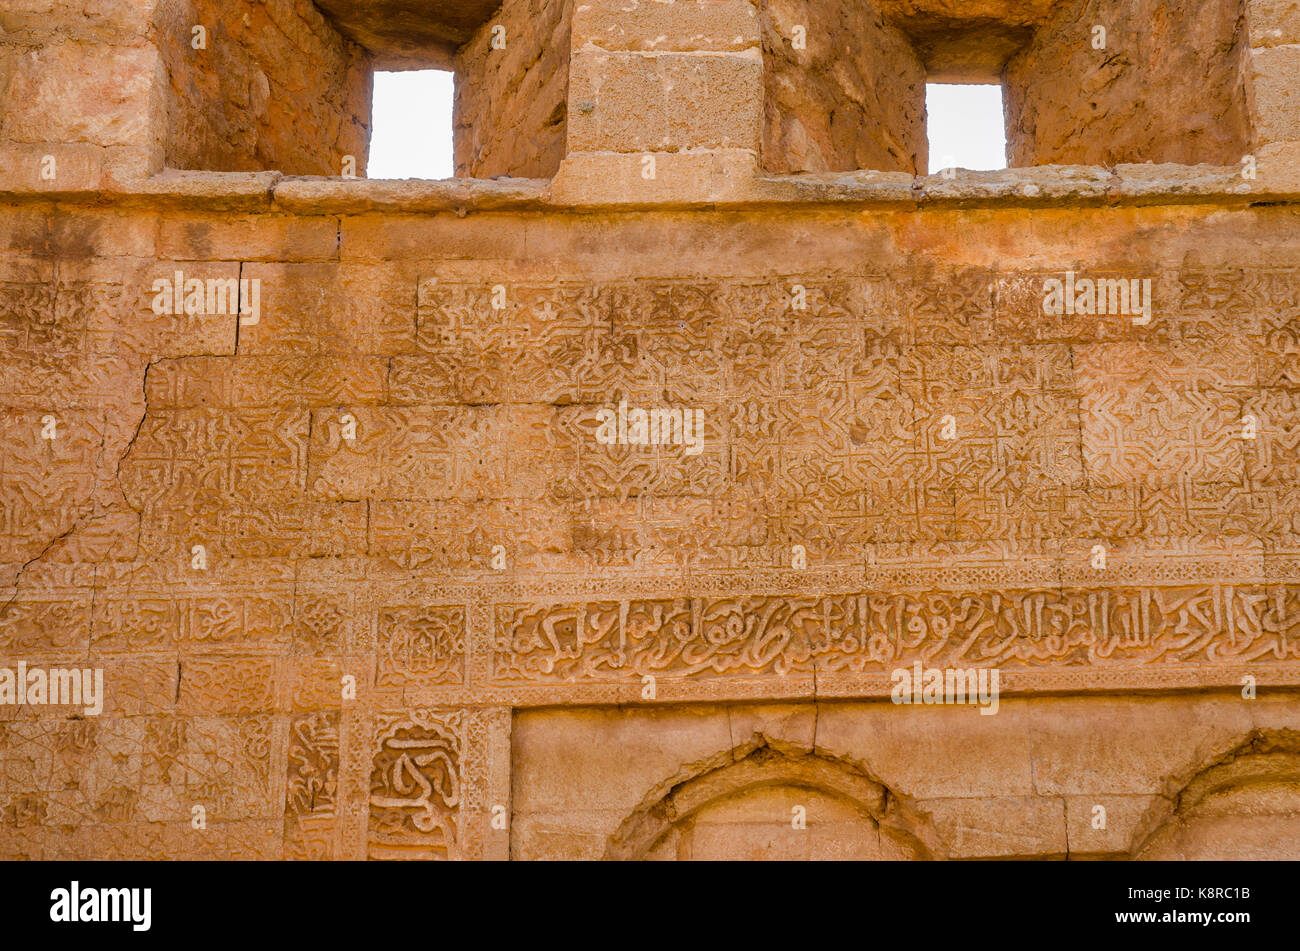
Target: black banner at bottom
x,y
383,902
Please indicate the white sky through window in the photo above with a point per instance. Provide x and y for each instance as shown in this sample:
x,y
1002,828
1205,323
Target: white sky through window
x,y
411,125
965,127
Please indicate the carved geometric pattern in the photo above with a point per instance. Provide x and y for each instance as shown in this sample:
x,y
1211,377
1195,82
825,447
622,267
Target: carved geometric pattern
x,y
422,644
475,427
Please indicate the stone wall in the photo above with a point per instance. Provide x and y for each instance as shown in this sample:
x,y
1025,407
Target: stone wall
x,y
668,78
392,480
116,91
711,782
249,101
79,80
511,103
851,95
1168,86
337,483
967,40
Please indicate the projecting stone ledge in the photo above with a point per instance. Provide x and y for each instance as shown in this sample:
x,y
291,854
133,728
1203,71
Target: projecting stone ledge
x,y
613,181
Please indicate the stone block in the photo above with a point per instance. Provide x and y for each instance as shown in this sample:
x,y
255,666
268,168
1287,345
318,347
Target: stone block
x,y
667,25
631,102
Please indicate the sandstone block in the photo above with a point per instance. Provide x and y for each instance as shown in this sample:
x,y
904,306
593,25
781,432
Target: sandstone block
x,y
1105,831
1273,22
78,93
667,25
627,758
625,102
1275,101
655,177
51,167
999,827
96,21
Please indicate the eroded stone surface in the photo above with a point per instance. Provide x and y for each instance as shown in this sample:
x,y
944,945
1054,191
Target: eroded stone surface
x,y
826,111
410,32
511,106
364,580
245,102
1165,86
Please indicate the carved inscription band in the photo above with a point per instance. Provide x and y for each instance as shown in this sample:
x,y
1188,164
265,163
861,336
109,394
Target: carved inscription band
x,y
702,638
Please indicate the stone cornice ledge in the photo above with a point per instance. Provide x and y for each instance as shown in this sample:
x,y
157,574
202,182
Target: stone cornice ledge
x,y
357,196
712,183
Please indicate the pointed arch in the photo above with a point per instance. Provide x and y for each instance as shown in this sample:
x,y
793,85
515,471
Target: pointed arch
x,y
1265,766
749,768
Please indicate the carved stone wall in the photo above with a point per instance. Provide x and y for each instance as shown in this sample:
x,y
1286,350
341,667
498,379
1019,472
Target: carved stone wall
x,y
356,461
348,489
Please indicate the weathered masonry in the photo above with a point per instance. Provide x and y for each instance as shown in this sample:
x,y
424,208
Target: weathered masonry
x,y
333,519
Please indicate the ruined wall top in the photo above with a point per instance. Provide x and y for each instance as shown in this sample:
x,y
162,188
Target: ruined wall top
x,y
638,103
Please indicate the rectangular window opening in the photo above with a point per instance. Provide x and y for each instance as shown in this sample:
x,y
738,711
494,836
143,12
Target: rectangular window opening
x,y
965,126
411,125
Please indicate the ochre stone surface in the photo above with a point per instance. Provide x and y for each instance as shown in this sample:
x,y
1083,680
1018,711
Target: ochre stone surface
x,y
364,577
1167,87
511,102
417,34
668,78
853,97
79,78
964,41
245,102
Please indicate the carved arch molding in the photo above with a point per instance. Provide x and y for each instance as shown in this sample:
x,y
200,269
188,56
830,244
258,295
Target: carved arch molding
x,y
1243,803
709,814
